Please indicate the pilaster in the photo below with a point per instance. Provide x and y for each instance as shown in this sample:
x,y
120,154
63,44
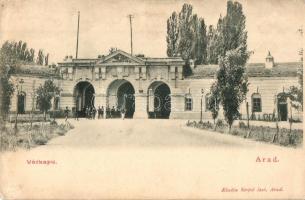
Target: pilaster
x,y
140,106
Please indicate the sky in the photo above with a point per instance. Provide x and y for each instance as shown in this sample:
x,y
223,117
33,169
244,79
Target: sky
x,y
52,25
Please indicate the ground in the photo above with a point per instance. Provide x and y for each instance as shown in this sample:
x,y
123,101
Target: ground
x,y
145,158
144,133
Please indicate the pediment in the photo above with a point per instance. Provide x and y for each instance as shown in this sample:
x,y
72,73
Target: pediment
x,y
120,57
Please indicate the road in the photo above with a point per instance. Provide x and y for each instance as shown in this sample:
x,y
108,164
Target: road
x,y
145,159
145,133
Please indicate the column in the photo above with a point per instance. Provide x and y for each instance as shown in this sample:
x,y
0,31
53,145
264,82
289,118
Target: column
x,y
140,106
100,100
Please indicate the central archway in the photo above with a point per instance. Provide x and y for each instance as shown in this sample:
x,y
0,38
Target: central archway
x,y
84,97
120,95
159,100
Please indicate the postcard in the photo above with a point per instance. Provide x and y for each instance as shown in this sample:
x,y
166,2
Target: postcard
x,y
151,99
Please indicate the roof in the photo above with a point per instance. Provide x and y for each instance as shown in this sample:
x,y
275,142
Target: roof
x,y
120,57
34,69
287,69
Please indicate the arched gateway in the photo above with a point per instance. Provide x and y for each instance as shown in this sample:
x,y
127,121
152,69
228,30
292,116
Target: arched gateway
x,y
159,100
83,97
120,95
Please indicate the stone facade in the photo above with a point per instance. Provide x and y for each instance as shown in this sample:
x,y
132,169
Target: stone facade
x,y
159,82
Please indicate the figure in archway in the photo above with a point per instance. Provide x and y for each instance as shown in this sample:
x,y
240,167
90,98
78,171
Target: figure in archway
x,y
84,98
120,96
159,100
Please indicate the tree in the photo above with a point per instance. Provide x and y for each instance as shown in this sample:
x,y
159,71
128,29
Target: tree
x,y
213,102
201,43
32,55
172,35
44,95
296,93
6,91
46,60
231,46
40,57
232,83
185,34
8,61
228,34
232,28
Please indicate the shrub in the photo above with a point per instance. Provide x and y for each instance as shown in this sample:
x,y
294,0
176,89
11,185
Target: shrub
x,y
60,130
242,125
208,125
259,133
40,140
220,123
53,122
69,125
234,132
60,114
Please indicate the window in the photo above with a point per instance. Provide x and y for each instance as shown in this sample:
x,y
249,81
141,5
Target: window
x,y
37,105
256,103
188,103
56,103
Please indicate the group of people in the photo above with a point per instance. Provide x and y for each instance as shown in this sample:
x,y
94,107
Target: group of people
x,y
100,112
90,112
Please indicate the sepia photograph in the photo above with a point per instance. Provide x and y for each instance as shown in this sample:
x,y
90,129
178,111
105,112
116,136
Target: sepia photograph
x,y
151,99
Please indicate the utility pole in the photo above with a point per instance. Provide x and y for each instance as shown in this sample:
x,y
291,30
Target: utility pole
x,y
202,92
33,100
77,35
301,51
130,23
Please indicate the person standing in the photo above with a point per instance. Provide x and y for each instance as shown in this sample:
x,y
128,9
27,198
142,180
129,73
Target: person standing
x,y
99,112
102,111
107,112
93,112
123,111
87,112
66,113
112,112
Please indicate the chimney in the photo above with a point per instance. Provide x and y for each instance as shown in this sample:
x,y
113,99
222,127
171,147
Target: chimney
x,y
269,62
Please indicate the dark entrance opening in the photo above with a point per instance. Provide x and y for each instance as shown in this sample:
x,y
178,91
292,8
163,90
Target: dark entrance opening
x,y
21,103
84,98
282,108
126,99
161,106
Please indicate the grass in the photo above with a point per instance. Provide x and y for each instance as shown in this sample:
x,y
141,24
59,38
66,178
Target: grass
x,y
28,137
280,136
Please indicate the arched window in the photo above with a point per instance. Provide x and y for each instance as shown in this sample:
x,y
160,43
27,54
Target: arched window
x,y
188,102
21,103
256,102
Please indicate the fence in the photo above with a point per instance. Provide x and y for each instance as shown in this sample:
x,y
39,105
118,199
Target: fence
x,y
28,117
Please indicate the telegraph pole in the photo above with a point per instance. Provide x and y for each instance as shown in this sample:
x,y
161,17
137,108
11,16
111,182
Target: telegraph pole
x,y
77,35
301,51
130,23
